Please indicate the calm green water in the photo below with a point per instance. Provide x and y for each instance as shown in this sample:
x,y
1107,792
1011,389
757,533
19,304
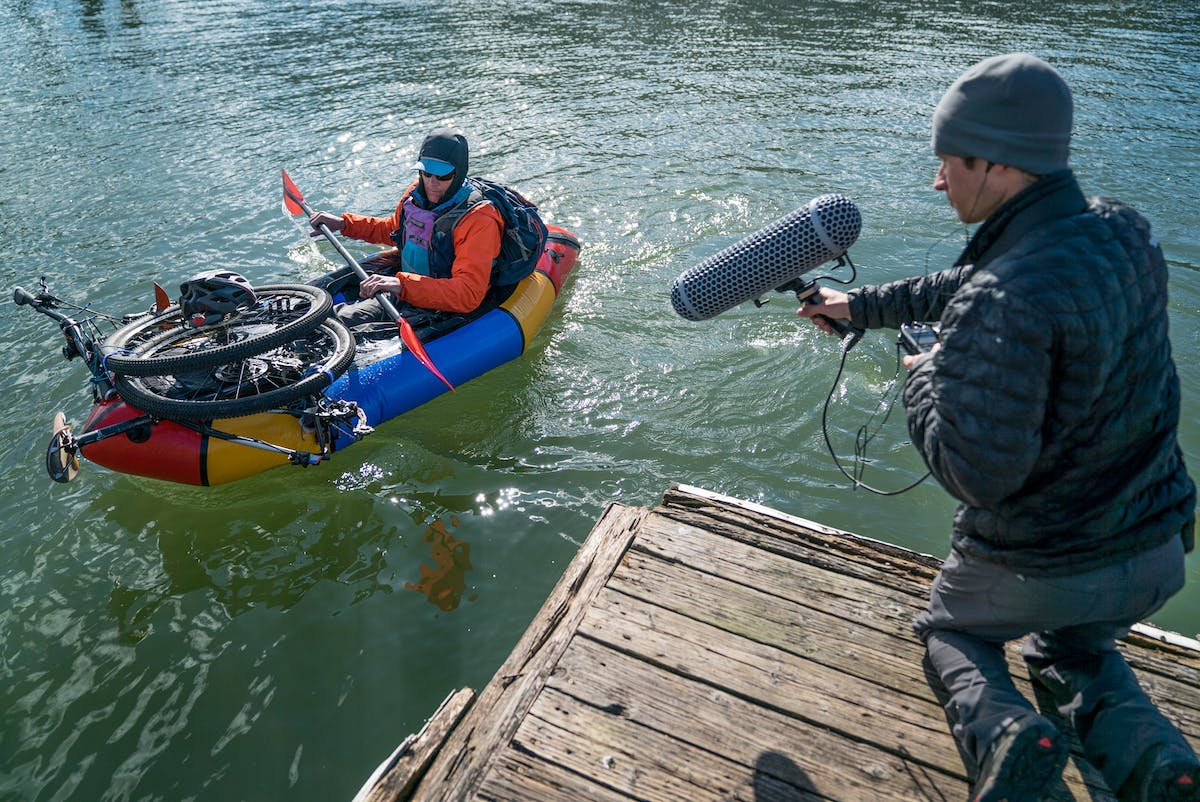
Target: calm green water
x,y
264,640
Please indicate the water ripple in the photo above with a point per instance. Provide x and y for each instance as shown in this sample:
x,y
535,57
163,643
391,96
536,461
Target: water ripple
x,y
165,642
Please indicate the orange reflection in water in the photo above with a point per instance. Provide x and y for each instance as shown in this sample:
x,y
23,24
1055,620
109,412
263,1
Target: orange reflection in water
x,y
444,584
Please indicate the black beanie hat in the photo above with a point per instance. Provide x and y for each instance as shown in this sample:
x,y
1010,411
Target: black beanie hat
x,y
1013,109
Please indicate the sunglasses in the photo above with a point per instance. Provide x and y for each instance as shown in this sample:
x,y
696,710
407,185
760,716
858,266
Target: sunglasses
x,y
445,177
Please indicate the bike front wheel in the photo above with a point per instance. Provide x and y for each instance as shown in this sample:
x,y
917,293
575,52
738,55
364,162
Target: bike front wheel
x,y
265,381
166,344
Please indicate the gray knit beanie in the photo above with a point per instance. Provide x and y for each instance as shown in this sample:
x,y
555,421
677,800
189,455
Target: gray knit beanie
x,y
1013,109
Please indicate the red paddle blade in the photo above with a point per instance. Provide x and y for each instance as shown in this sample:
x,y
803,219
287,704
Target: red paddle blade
x,y
414,344
291,196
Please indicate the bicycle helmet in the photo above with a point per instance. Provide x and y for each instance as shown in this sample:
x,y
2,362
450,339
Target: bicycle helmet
x,y
207,298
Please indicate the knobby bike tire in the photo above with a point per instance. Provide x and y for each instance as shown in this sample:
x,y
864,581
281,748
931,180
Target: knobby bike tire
x,y
164,345
190,398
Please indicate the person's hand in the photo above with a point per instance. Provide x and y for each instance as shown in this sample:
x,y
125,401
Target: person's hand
x,y
826,304
374,284
910,360
333,222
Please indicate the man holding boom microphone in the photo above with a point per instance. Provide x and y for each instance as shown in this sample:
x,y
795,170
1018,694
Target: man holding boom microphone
x,y
1049,409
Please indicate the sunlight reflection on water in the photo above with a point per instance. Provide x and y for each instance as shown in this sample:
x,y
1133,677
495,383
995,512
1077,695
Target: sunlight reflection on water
x,y
262,626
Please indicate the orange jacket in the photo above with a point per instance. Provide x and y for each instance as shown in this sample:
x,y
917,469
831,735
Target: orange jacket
x,y
476,246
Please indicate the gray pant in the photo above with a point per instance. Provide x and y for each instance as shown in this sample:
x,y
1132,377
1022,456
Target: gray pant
x,y
977,606
368,310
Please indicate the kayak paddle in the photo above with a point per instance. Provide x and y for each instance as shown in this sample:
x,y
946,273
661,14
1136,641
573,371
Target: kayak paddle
x,y
293,203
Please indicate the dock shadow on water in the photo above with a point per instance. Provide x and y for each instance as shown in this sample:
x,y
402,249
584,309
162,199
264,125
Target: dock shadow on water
x,y
444,584
237,555
246,569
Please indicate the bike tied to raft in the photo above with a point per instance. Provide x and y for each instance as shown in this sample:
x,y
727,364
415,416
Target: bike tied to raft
x,y
224,350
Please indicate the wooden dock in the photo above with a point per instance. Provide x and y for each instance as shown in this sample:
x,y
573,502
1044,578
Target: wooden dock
x,y
716,649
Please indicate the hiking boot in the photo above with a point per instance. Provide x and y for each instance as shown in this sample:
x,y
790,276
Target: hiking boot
x,y
1028,756
1165,773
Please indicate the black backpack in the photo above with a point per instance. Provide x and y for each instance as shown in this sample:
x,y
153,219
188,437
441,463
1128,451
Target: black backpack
x,y
524,236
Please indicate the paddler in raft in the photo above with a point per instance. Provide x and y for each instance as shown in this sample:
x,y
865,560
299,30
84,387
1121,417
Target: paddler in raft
x,y
447,239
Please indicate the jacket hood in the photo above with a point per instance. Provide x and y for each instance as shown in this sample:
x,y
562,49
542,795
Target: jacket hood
x,y
444,146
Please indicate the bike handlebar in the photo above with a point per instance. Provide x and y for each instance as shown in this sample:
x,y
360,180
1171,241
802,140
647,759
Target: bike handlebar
x,y
44,303
79,343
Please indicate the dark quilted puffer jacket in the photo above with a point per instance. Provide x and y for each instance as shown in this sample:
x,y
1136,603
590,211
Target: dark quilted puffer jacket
x,y
1051,409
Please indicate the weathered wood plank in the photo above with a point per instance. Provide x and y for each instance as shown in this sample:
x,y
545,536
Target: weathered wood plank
x,y
831,638
519,775
740,729
825,697
487,728
872,602
635,760
775,530
396,777
906,726
1178,663
718,513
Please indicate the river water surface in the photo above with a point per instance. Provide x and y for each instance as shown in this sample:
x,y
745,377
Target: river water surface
x,y
276,638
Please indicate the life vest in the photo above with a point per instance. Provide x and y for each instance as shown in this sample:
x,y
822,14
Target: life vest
x,y
425,236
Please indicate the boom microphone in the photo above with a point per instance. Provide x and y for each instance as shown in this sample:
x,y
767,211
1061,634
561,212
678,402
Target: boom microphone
x,y
818,232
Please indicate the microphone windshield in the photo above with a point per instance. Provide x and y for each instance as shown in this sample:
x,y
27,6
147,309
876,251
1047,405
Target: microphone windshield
x,y
818,232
